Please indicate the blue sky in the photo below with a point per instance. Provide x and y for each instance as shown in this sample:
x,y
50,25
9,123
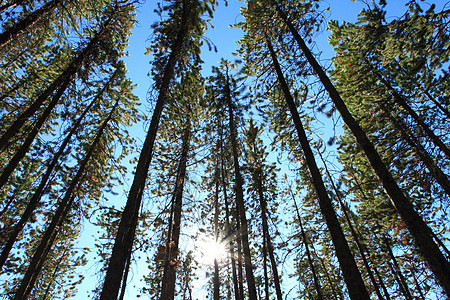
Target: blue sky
x,y
225,39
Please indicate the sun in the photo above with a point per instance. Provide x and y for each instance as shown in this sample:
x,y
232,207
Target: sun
x,y
207,249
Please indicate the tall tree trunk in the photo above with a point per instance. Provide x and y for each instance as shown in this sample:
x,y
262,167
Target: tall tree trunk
x,y
240,196
128,222
383,286
440,177
172,248
416,225
61,213
266,277
267,245
350,271
28,21
336,295
400,100
402,282
359,245
57,87
35,199
216,233
11,4
308,254
230,234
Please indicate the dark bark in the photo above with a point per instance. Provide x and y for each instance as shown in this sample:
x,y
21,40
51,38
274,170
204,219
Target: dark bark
x,y
419,289
396,268
400,100
352,276
230,234
171,264
56,88
64,207
11,4
308,254
383,286
267,245
28,21
420,231
124,238
429,163
359,244
336,295
216,281
35,199
240,196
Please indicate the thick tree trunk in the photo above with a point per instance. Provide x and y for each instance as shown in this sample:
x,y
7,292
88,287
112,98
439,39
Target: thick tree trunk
x,y
240,196
416,225
172,248
124,238
352,276
61,213
28,21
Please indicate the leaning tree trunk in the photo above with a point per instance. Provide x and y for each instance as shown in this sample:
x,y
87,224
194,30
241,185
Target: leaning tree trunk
x,y
400,100
396,269
359,245
308,254
229,231
440,177
267,245
28,21
64,207
171,263
56,88
418,228
34,201
240,197
129,220
352,276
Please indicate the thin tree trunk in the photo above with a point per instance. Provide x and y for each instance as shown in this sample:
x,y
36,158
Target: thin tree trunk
x,y
352,276
416,225
402,282
240,196
383,286
128,221
171,264
35,199
58,87
335,294
267,245
419,289
359,245
216,233
61,213
28,21
429,163
229,231
308,254
400,100
11,4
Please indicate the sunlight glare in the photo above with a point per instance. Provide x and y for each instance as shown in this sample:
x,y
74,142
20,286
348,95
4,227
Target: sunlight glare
x,y
207,249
